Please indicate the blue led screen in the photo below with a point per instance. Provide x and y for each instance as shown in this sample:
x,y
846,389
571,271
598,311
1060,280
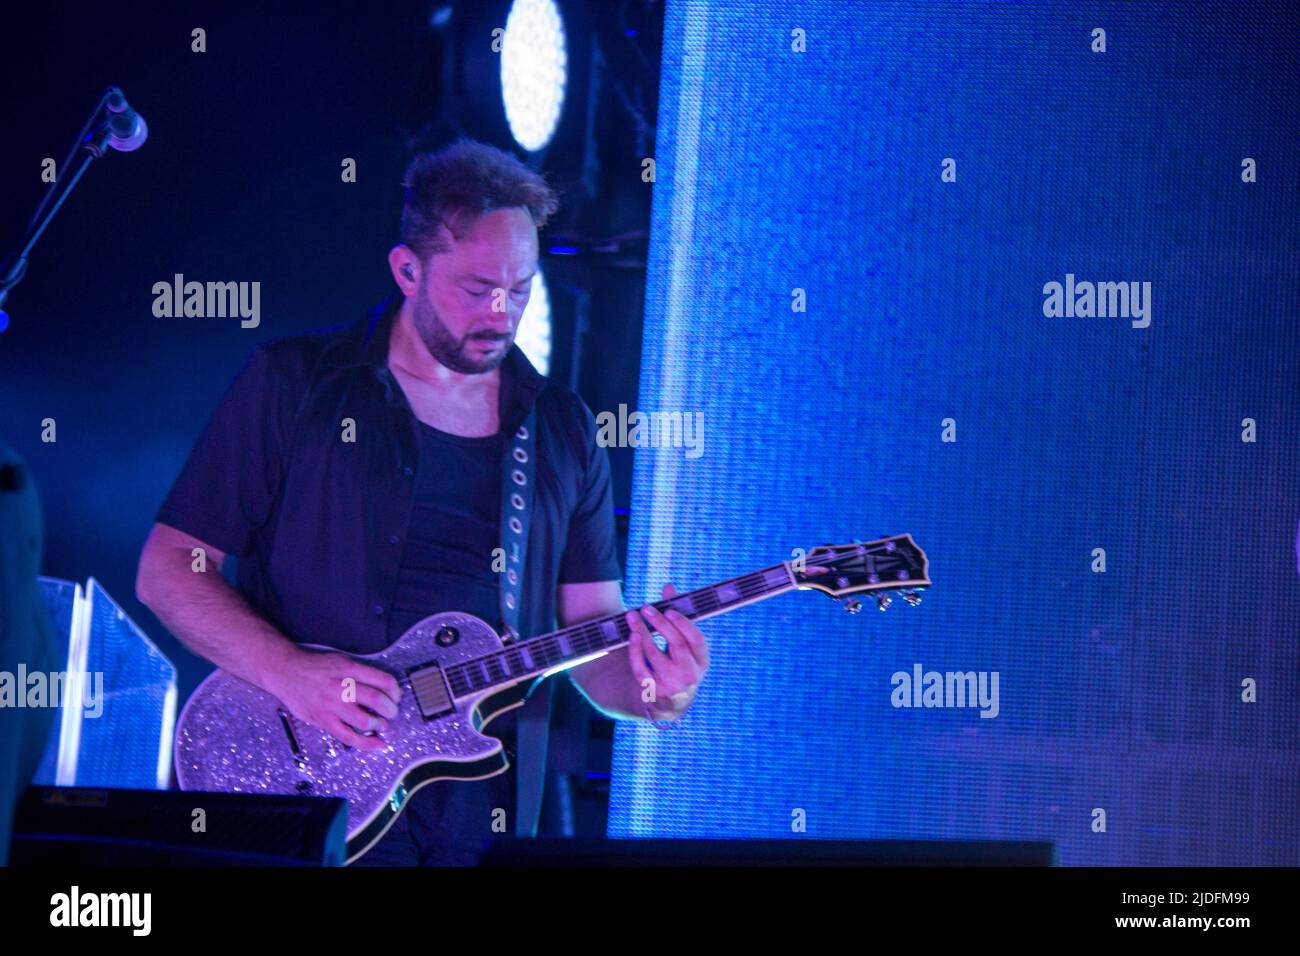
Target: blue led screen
x,y
859,212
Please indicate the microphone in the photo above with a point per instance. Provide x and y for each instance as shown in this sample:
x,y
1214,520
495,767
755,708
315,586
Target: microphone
x,y
127,128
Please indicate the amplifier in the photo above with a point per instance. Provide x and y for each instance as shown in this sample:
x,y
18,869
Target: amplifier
x,y
793,852
96,826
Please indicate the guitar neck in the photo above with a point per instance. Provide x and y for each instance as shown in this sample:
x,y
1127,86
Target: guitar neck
x,y
570,646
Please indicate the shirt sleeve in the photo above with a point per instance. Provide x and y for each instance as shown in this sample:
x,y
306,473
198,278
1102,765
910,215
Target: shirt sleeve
x,y
228,485
591,551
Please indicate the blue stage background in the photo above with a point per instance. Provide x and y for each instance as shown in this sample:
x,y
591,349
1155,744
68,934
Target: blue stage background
x,y
821,171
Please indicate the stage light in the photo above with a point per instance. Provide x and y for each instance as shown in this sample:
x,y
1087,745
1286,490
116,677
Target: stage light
x,y
534,68
440,15
534,335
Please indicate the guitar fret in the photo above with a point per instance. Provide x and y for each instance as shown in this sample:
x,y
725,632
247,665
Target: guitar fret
x,y
707,601
776,577
610,632
583,642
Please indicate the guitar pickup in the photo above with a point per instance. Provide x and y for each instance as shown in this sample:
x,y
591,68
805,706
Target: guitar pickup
x,y
432,694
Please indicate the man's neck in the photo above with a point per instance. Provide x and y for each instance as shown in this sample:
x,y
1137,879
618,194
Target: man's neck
x,y
408,354
451,401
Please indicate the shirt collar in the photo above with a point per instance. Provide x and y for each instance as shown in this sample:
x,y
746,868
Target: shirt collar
x,y
366,344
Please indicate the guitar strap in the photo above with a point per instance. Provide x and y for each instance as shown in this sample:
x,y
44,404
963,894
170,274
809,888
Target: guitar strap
x,y
516,513
517,474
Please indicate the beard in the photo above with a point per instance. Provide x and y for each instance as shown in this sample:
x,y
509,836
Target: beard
x,y
450,351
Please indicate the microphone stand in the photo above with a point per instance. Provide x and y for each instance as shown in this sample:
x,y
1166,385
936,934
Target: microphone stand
x,y
93,145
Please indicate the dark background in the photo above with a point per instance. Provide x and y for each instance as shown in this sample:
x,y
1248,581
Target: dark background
x,y
240,181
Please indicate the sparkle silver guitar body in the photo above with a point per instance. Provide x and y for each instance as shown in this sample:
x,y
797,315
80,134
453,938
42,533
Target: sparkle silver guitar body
x,y
234,737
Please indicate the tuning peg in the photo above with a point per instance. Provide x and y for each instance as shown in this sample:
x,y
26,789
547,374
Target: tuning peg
x,y
852,605
883,601
912,598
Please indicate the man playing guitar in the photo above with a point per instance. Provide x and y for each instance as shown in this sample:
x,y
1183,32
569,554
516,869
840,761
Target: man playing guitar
x,y
356,478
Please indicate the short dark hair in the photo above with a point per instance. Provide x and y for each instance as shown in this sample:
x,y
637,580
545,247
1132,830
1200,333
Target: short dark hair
x,y
456,185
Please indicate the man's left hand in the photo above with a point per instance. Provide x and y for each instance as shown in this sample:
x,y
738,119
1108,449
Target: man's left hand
x,y
675,673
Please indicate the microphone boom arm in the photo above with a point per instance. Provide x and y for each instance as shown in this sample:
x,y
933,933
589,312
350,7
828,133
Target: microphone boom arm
x,y
93,145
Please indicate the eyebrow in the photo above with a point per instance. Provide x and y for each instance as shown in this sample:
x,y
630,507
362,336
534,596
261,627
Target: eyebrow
x,y
485,281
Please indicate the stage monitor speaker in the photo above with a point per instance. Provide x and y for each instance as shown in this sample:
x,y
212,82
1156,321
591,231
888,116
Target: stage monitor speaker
x,y
792,852
110,827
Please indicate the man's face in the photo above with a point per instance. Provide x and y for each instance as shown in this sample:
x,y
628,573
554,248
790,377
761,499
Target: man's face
x,y
491,266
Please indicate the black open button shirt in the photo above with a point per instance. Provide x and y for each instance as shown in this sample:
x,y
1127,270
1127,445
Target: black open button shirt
x,y
318,524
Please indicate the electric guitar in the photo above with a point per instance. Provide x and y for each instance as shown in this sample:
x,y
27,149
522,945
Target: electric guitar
x,y
456,676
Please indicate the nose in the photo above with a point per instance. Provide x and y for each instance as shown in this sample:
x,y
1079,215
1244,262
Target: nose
x,y
498,323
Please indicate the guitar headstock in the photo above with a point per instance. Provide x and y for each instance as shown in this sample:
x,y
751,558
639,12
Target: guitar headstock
x,y
865,567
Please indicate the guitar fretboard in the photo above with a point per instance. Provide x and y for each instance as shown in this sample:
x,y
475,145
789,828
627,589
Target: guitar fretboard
x,y
593,638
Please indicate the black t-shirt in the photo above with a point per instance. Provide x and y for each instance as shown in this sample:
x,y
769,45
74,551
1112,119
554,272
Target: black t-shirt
x,y
454,528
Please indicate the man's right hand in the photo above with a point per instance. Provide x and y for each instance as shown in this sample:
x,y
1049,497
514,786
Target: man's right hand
x,y
313,686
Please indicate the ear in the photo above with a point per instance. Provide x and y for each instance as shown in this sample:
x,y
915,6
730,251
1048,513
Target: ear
x,y
405,267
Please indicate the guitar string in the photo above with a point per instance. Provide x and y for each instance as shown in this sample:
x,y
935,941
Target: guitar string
x,y
587,635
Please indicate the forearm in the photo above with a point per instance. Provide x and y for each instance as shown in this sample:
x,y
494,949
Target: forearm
x,y
610,686
212,619
610,683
